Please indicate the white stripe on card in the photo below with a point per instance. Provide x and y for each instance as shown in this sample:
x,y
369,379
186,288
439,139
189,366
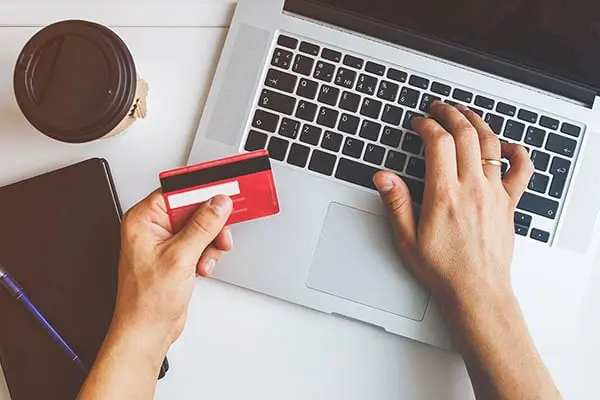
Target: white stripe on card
x,y
201,195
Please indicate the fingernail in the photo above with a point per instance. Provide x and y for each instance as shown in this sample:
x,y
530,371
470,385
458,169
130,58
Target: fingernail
x,y
386,185
230,237
221,205
435,103
209,266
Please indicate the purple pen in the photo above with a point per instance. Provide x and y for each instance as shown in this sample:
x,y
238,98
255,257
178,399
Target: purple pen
x,y
17,292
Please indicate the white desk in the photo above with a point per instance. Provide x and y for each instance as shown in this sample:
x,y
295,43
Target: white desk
x,y
237,344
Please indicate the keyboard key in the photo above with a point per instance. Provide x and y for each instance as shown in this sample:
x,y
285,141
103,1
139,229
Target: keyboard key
x,y
503,168
522,219
371,108
331,55
540,235
392,115
538,205
306,111
476,111
277,102
327,117
298,155
322,162
350,101
329,95
559,171
409,97
287,41
282,58
356,173
408,117
395,161
370,130
549,123
396,75
310,134
416,189
281,80
374,154
440,88
495,122
353,62
419,82
484,102
388,91
539,183
570,130
535,136
521,230
349,124
426,102
561,145
416,167
412,143
345,77
332,141
303,65
277,148
375,68
540,160
265,121
462,95
309,48
527,116
307,88
255,141
506,109
514,130
289,128
391,137
324,71
367,84
353,147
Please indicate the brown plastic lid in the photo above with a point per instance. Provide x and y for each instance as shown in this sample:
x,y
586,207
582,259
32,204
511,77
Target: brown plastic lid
x,y
75,81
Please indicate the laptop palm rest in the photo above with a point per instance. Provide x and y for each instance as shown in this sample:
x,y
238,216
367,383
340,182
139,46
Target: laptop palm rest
x,y
356,260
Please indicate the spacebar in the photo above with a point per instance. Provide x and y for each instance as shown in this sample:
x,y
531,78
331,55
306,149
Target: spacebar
x,y
353,172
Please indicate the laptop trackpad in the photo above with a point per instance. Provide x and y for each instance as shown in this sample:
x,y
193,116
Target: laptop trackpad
x,y
356,260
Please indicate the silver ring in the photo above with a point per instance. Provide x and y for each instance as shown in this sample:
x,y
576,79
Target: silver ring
x,y
491,161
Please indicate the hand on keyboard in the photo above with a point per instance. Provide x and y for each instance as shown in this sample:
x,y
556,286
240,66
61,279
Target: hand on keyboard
x,y
464,238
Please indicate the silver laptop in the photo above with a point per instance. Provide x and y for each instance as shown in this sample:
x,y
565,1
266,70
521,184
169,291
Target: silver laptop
x,y
329,87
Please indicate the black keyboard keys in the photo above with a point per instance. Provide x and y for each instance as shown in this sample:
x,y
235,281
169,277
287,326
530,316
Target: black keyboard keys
x,y
331,55
514,130
265,121
522,219
395,161
521,230
370,130
306,110
570,130
277,148
307,88
356,173
495,122
462,95
527,116
287,41
540,160
350,101
282,58
539,183
332,141
310,134
374,154
371,108
388,90
440,88
349,124
535,136
412,143
281,80
277,102
506,109
303,65
375,68
298,155
391,137
538,205
426,102
366,84
540,235
549,123
409,97
396,75
392,115
322,162
345,77
561,145
559,171
327,117
353,147
416,167
329,95
419,82
353,62
309,48
484,102
289,128
255,141
324,71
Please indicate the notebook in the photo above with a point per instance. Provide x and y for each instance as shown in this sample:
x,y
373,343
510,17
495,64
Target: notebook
x,y
60,239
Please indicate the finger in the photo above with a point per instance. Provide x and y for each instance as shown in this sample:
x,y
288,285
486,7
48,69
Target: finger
x,y
396,197
224,240
468,153
488,142
440,152
208,261
203,228
521,168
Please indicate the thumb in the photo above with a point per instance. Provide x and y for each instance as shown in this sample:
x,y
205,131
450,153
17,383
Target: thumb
x,y
396,197
203,228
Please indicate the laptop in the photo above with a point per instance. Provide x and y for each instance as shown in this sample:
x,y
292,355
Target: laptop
x,y
329,88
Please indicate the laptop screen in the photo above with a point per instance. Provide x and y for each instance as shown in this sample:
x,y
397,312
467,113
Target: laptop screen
x,y
558,37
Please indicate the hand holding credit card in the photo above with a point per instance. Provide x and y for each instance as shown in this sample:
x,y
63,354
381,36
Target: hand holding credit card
x,y
246,178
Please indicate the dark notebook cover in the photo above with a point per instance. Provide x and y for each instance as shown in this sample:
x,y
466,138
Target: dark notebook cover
x,y
60,239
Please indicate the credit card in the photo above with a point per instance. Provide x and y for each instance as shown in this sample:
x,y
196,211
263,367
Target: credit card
x,y
246,178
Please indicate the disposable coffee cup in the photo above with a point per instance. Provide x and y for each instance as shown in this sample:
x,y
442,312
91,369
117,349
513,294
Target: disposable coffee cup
x,y
76,81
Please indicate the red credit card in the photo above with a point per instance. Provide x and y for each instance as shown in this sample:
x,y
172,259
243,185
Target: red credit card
x,y
246,178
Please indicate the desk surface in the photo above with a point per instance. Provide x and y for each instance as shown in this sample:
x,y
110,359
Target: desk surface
x,y
237,344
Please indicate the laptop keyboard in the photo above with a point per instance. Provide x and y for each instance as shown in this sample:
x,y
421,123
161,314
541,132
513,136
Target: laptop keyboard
x,y
344,116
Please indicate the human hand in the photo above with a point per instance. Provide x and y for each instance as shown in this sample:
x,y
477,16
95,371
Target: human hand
x,y
463,242
157,269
